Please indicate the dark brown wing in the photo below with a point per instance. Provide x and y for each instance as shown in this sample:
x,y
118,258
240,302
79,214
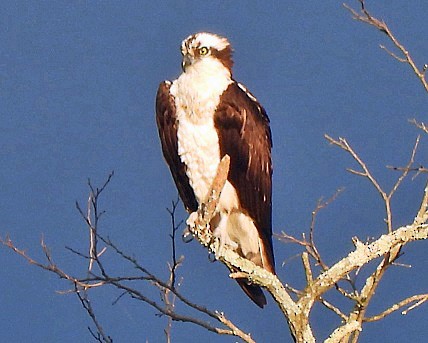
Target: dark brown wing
x,y
167,126
244,134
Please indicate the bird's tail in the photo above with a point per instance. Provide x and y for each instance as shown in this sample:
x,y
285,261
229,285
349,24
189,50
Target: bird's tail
x,y
254,292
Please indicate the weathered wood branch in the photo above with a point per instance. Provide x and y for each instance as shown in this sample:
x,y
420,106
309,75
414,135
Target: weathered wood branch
x,y
297,312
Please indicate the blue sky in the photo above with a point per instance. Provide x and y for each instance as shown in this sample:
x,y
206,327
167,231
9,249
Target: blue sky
x,y
77,87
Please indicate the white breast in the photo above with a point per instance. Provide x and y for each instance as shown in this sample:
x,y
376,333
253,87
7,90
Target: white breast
x,y
197,93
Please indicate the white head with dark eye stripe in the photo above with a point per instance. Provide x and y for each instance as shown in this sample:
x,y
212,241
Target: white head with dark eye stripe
x,y
205,46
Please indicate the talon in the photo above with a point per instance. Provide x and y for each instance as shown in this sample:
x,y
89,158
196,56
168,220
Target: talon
x,y
212,257
191,220
187,236
223,238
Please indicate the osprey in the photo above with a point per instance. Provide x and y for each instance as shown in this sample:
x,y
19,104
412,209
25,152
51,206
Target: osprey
x,y
203,115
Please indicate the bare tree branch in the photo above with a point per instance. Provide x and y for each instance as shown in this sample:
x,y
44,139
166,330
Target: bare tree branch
x,y
100,335
168,289
168,297
365,17
334,309
296,312
342,331
421,126
343,144
417,299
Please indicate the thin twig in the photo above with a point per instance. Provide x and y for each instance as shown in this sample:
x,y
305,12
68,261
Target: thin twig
x,y
100,335
421,126
417,299
82,285
368,18
170,301
334,309
365,172
320,205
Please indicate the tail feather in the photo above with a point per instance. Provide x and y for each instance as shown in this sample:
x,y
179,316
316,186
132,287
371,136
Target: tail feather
x,y
254,292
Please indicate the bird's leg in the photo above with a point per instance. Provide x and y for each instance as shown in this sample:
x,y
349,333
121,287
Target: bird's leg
x,y
221,233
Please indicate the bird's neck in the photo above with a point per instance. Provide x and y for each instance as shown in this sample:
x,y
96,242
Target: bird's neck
x,y
199,88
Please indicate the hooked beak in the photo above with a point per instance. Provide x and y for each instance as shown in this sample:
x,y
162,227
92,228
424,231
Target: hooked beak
x,y
187,60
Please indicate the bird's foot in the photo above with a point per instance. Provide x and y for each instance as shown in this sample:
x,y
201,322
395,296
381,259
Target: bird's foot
x,y
223,241
191,220
187,235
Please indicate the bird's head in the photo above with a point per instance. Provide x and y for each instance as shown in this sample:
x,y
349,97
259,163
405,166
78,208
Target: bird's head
x,y
206,47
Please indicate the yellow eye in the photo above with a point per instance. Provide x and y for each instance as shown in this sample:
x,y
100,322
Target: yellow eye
x,y
203,51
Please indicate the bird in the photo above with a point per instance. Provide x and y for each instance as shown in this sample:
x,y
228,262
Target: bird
x,y
203,115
